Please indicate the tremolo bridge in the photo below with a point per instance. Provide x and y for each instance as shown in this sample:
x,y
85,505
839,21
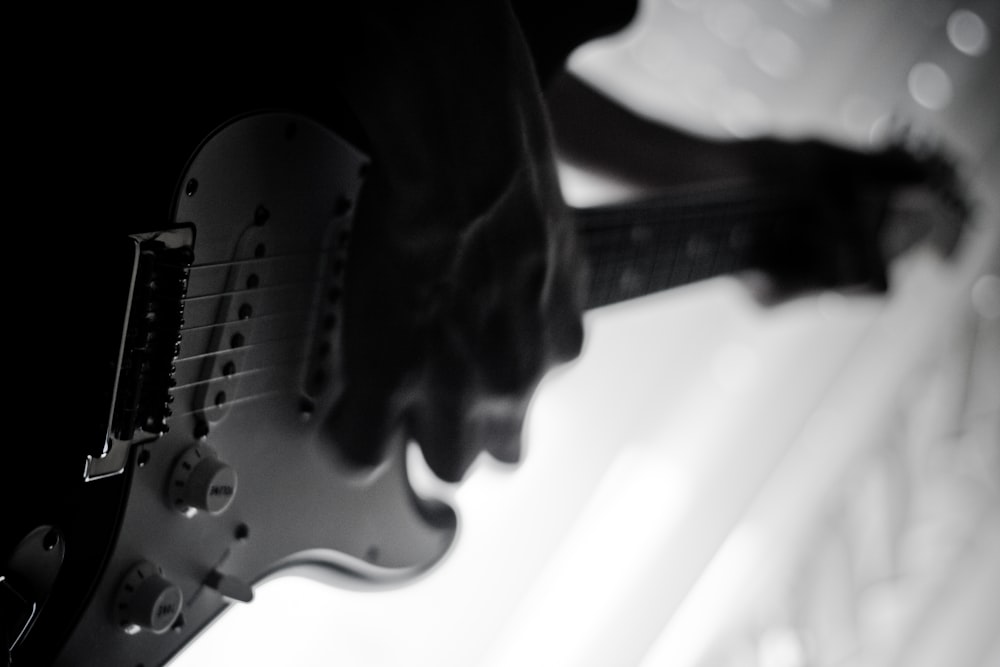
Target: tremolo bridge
x,y
150,275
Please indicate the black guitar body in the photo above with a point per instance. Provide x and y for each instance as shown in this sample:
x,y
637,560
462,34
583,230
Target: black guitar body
x,y
215,345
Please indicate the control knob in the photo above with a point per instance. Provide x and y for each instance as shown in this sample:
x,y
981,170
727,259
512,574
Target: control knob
x,y
147,600
200,481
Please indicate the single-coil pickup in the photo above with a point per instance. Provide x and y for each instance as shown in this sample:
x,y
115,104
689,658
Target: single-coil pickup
x,y
230,335
321,372
247,324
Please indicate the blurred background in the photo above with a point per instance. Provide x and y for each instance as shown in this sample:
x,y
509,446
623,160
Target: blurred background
x,y
716,482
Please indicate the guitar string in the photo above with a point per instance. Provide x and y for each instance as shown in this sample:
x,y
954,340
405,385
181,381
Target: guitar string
x,y
600,216
747,221
257,289
229,403
594,222
242,349
287,366
240,374
592,234
241,353
253,319
250,319
251,260
265,371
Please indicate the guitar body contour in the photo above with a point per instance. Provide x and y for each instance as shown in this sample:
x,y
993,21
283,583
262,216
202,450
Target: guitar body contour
x,y
229,476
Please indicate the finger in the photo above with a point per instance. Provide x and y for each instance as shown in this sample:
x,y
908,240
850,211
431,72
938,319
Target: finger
x,y
563,312
453,431
444,396
360,424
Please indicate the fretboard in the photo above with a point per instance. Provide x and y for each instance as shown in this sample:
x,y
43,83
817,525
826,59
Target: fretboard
x,y
671,240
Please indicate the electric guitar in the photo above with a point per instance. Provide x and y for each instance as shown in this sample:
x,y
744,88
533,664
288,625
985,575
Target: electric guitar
x,y
202,468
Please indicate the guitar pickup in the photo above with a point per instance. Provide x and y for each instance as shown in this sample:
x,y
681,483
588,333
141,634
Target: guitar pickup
x,y
147,283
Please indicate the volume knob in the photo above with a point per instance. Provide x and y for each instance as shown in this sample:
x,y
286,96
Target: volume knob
x,y
200,481
147,600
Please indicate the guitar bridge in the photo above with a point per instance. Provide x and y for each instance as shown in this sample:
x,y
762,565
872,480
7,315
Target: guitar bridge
x,y
155,266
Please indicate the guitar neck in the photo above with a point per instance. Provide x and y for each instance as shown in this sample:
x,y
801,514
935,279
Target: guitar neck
x,y
682,237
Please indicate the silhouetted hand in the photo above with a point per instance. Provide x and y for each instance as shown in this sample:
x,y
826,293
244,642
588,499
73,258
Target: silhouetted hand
x,y
462,286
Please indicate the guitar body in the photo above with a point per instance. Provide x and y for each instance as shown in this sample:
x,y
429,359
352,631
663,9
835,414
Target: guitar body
x,y
229,476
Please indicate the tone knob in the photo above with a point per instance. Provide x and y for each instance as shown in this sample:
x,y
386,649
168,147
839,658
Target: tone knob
x,y
147,600
200,481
